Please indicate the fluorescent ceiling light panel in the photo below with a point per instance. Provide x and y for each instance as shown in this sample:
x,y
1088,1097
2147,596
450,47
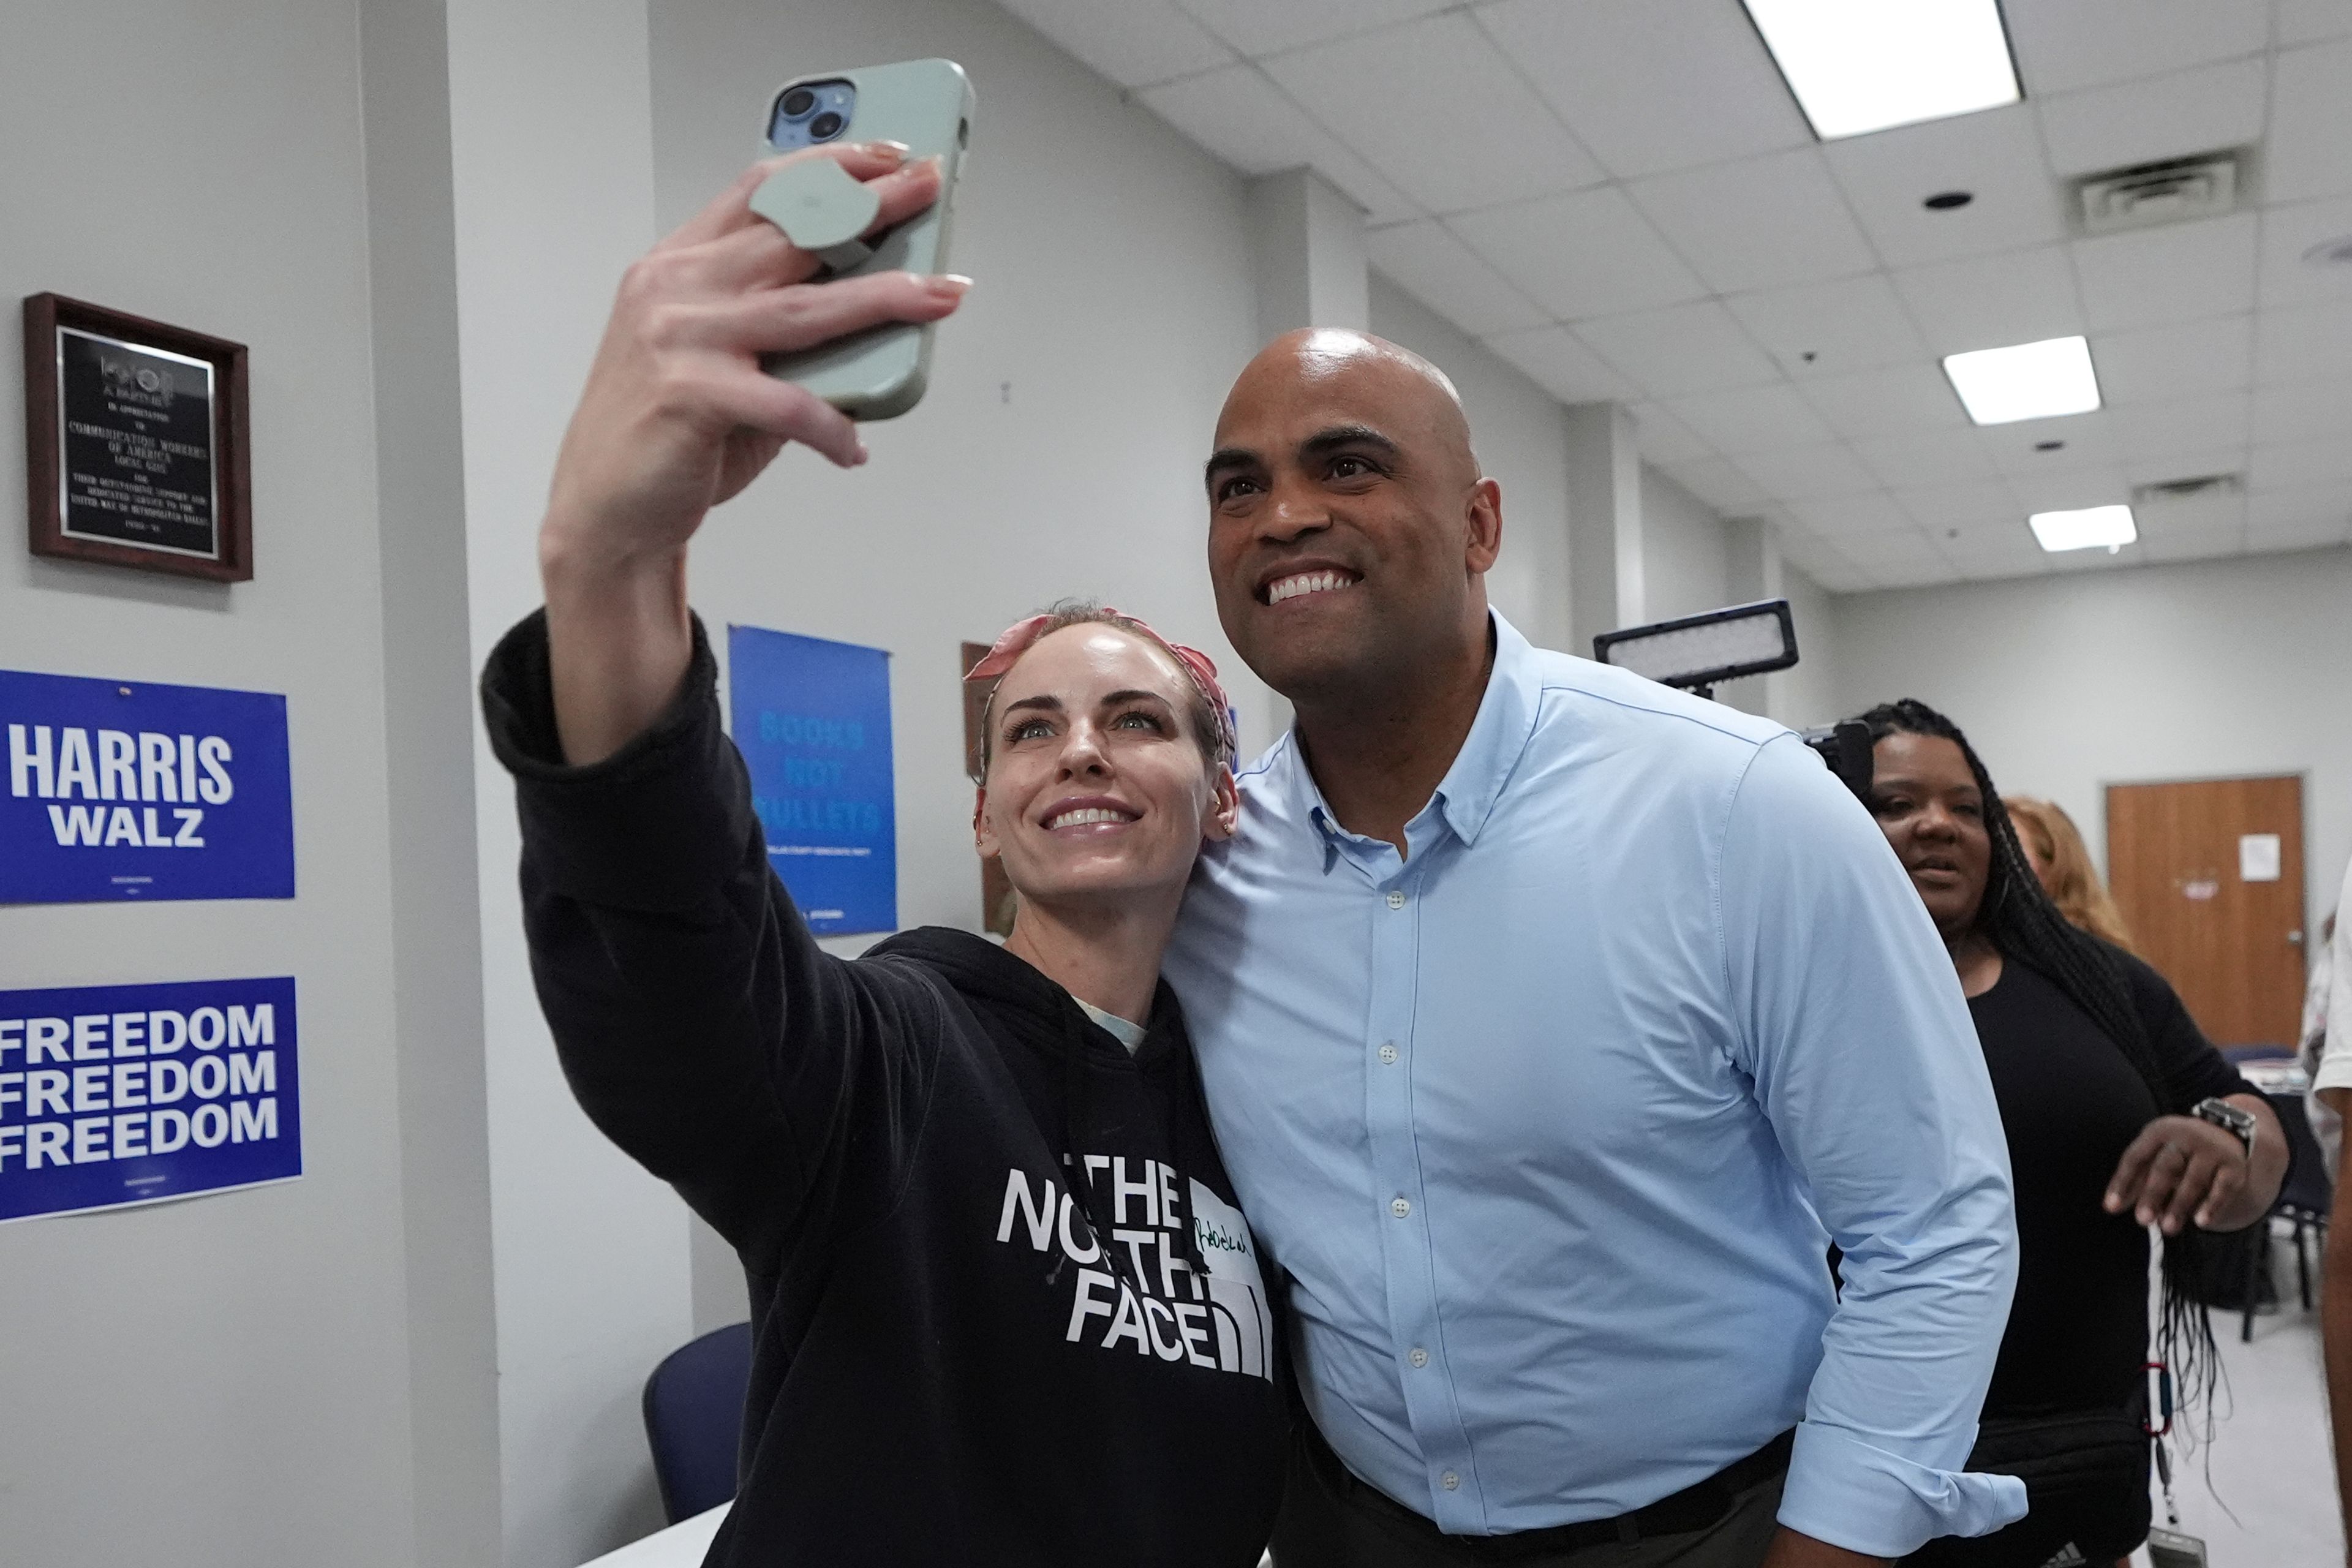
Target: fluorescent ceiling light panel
x,y
2111,526
1858,66
2025,380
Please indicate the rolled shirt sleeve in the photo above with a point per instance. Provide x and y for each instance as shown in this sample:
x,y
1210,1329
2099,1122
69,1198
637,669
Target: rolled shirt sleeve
x,y
1857,1036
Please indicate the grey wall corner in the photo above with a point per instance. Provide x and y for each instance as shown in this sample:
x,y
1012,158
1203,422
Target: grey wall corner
x,y
1604,523
1307,240
428,707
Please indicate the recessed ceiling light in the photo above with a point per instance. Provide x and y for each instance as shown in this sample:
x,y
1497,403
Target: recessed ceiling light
x,y
1857,66
2025,380
2084,529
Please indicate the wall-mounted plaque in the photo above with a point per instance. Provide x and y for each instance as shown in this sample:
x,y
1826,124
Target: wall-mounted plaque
x,y
136,437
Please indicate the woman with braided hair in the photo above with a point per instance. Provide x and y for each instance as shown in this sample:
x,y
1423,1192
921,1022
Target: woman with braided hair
x,y
2119,1115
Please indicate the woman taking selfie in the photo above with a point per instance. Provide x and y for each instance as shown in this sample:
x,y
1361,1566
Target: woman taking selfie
x,y
2119,1116
1004,1307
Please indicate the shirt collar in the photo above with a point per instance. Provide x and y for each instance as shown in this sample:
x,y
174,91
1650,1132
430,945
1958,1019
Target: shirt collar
x,y
1497,738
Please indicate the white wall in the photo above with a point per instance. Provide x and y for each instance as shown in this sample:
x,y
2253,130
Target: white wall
x,y
2068,683
1808,693
219,1383
1684,565
1521,435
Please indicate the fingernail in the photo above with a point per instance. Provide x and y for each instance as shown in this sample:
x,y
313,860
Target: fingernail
x,y
862,454
948,285
895,151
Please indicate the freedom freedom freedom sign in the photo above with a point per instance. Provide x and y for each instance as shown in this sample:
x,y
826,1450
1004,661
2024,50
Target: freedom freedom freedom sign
x,y
812,720
113,1094
133,790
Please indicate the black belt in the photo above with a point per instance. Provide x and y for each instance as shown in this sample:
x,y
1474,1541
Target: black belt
x,y
1694,1508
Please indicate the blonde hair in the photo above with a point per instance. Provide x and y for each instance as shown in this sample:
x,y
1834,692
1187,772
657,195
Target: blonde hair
x,y
2071,881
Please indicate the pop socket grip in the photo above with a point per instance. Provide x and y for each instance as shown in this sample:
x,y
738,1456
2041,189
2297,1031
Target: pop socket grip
x,y
821,208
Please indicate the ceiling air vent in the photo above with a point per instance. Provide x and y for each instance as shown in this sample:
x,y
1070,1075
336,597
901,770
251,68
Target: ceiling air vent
x,y
2171,192
2202,487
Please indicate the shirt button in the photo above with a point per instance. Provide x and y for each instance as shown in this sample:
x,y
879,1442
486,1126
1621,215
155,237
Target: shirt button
x,y
1396,900
1418,1357
1388,1054
1399,1207
1449,1481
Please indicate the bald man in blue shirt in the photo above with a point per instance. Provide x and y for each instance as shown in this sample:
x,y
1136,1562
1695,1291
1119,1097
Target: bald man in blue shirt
x,y
1553,1025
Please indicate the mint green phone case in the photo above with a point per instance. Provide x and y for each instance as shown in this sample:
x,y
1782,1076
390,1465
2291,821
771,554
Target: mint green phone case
x,y
926,104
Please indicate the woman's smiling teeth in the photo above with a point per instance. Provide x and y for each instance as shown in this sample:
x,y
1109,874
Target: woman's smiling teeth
x,y
1086,817
1307,583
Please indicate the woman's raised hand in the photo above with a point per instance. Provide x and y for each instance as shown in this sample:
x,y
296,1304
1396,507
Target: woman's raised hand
x,y
677,416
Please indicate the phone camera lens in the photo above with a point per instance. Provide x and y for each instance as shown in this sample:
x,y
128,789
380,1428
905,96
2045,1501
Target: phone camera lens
x,y
826,126
797,102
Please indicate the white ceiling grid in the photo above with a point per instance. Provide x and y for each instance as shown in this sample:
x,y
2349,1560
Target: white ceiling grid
x,y
1621,198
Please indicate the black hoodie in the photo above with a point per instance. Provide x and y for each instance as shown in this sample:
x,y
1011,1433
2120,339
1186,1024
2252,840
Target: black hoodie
x,y
916,1155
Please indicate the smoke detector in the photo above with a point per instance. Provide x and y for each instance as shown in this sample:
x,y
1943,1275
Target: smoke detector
x,y
2175,190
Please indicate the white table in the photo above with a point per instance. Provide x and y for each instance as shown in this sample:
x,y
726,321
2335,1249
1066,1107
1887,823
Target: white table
x,y
683,1545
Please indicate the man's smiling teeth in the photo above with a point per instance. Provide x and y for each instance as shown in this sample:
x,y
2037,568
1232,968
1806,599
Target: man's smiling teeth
x,y
1307,583
1086,818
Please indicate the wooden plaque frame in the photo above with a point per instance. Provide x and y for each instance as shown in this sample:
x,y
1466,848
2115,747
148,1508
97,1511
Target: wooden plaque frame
x,y
232,447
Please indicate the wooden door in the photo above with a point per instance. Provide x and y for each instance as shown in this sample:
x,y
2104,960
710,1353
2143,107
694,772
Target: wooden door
x,y
2212,902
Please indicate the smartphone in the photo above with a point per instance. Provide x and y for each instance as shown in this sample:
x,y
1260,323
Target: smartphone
x,y
880,373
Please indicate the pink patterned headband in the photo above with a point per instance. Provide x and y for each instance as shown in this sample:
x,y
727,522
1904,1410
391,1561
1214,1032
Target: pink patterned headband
x,y
1022,636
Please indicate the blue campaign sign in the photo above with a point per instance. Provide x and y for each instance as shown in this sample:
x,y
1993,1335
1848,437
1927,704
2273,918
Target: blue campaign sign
x,y
136,1094
131,790
812,720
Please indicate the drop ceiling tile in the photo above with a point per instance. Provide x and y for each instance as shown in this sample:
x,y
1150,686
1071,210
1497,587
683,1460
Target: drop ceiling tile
x,y
2042,446
2145,431
1589,254
2065,44
2314,507
1867,512
1135,43
1241,117
1718,483
2186,463
1485,138
2289,232
1808,473
2181,272
2158,364
2189,112
1891,550
2307,342
1562,365
2279,540
1901,399
1681,349
1927,457
2300,465
1652,85
1811,554
2309,150
1973,505
1663,438
1752,419
1993,301
2313,411
2308,21
2066,490
1255,27
2000,538
2200,545
1995,155
1428,261
1827,329
1759,223
2191,514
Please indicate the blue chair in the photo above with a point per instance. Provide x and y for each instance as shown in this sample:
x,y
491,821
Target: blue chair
x,y
2305,1201
694,1419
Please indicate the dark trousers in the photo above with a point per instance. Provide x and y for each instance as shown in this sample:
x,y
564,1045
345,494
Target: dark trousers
x,y
1330,1520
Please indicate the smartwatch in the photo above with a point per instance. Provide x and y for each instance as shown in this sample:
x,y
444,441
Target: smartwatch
x,y
2230,1118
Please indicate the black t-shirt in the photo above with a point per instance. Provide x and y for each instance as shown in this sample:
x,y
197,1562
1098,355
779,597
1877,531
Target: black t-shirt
x,y
2071,1103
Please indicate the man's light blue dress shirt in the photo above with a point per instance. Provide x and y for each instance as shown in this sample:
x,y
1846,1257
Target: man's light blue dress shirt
x,y
1553,1120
